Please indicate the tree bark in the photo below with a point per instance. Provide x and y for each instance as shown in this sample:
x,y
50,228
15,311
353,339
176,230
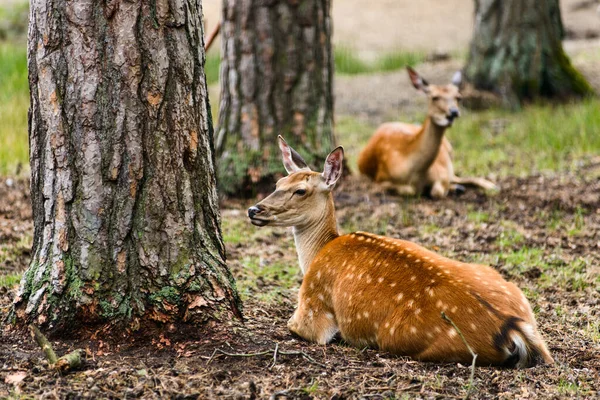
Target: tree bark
x,y
276,78
516,51
125,208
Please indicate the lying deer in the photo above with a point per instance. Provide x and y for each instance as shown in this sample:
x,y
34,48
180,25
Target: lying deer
x,y
417,158
389,293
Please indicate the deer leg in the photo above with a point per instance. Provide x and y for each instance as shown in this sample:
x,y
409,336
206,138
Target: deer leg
x,y
439,190
406,190
313,323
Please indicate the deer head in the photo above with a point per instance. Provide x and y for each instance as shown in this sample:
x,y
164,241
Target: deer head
x,y
303,197
443,99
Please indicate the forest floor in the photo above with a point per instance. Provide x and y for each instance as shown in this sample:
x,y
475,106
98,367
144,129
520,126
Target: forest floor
x,y
541,231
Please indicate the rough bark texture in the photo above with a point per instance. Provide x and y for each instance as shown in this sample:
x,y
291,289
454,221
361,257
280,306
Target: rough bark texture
x,y
516,51
123,182
276,78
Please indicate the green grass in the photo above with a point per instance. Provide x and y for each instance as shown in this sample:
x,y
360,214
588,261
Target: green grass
x,y
348,63
212,66
10,280
14,103
249,285
541,138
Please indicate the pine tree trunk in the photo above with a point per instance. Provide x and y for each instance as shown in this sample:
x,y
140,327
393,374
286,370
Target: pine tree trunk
x,y
276,78
123,186
516,51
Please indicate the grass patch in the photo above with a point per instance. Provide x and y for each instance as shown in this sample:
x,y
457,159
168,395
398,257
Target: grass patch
x,y
541,138
10,280
14,103
258,279
348,63
478,217
212,67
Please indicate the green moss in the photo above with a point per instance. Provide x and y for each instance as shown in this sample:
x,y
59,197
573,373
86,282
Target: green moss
x,y
166,293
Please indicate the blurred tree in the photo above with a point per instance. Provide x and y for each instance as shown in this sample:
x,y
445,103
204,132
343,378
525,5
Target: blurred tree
x,y
516,51
126,217
276,78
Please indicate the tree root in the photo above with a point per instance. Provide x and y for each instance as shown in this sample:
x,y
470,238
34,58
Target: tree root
x,y
64,364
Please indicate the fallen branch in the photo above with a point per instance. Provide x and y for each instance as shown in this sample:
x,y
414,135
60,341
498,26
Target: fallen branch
x,y
262,353
68,362
211,38
44,344
472,377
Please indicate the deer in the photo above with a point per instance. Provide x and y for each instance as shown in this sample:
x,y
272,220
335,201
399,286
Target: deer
x,y
417,159
388,293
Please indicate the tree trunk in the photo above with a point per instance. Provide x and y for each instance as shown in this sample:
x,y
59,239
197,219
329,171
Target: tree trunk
x,y
516,51
123,187
276,78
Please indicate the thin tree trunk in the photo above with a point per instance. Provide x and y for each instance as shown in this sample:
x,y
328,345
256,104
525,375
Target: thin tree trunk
x,y
276,78
123,182
516,51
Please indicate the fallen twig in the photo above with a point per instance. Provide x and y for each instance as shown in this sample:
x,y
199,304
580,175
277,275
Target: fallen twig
x,y
275,351
70,361
274,355
285,392
472,377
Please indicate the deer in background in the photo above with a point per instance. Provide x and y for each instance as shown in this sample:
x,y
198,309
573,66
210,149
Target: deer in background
x,y
413,158
389,293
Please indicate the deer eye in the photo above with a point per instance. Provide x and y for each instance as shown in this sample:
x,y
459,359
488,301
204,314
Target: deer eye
x,y
435,98
459,99
300,192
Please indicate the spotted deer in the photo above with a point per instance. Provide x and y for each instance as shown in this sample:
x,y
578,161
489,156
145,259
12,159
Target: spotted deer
x,y
389,293
415,159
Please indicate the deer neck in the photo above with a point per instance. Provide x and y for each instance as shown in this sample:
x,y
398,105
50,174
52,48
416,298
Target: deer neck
x,y
429,140
313,236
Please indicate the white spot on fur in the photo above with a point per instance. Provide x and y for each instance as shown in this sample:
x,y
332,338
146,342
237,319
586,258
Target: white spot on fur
x,y
387,325
413,330
321,297
417,311
329,315
392,329
380,280
399,296
392,284
452,332
412,278
318,274
366,314
453,310
473,326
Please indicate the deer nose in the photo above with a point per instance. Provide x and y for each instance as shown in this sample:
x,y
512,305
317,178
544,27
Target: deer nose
x,y
454,113
252,211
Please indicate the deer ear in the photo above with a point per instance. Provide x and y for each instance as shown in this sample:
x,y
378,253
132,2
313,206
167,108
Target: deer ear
x,y
333,167
457,79
418,82
292,161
